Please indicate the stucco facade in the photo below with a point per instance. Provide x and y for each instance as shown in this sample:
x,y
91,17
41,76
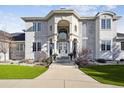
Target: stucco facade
x,y
65,31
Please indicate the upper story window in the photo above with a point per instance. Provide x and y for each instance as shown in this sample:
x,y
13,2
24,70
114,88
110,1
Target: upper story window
x,y
105,45
75,27
62,36
105,23
37,26
51,28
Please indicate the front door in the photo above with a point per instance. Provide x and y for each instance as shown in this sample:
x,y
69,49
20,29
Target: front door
x,y
63,48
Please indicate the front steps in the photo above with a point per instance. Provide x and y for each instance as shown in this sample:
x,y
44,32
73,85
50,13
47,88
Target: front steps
x,y
63,59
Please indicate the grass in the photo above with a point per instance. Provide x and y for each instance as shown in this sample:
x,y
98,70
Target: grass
x,y
20,72
109,74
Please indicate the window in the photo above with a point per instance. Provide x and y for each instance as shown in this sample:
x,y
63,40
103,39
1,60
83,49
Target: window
x,y
108,45
105,23
39,26
34,46
20,47
51,28
108,23
37,46
17,47
62,35
105,45
36,26
122,45
75,27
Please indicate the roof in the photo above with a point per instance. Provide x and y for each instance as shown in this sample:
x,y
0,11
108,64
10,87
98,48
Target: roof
x,y
67,11
110,13
4,35
120,37
120,34
18,36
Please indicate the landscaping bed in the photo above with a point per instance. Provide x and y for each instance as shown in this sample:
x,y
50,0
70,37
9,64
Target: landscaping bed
x,y
107,74
20,72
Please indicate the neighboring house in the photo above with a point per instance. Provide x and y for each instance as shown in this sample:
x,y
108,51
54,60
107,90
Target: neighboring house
x,y
5,39
65,31
18,46
120,43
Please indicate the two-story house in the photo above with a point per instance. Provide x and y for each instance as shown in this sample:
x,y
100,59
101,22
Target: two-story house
x,y
65,31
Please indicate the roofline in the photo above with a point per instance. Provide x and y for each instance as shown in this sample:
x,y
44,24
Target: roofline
x,y
65,11
50,14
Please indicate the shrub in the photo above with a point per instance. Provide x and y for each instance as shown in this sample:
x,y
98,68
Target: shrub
x,y
101,60
121,59
47,61
41,56
81,62
54,56
83,57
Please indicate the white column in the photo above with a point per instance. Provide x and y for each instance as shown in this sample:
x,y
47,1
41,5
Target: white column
x,y
55,28
48,48
70,45
55,44
70,28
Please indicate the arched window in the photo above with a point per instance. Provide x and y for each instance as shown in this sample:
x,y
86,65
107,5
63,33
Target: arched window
x,y
62,35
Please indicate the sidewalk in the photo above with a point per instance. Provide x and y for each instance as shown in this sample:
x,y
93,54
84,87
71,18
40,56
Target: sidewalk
x,y
57,76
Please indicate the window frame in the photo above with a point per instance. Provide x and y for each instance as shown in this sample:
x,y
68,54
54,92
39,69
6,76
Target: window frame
x,y
106,44
122,49
36,47
106,24
37,26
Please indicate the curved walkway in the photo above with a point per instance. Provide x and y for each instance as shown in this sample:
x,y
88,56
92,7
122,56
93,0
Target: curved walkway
x,y
57,76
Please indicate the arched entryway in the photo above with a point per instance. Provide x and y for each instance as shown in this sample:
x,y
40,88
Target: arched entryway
x,y
63,38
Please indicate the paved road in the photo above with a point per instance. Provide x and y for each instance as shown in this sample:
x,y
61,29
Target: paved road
x,y
58,76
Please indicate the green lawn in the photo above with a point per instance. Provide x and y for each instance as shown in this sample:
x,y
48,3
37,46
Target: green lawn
x,y
110,74
20,72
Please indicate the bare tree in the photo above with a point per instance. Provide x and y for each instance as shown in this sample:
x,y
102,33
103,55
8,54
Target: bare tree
x,y
116,51
5,43
41,56
83,57
3,49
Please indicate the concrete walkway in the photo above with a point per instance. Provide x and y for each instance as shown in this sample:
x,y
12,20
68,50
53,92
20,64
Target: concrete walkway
x,y
57,76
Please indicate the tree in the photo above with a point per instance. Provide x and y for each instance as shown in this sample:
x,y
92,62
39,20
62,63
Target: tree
x,y
3,49
5,41
41,56
83,57
116,51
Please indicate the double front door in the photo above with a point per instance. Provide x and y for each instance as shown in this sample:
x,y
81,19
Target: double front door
x,y
63,48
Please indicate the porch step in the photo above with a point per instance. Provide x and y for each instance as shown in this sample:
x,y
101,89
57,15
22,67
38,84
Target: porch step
x,y
63,59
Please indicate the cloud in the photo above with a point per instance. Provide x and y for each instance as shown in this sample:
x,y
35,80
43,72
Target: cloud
x,y
83,9
10,22
109,7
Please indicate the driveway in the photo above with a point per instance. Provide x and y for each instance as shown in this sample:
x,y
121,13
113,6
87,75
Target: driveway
x,y
57,76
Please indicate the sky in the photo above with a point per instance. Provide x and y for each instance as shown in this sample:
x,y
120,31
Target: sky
x,y
11,22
